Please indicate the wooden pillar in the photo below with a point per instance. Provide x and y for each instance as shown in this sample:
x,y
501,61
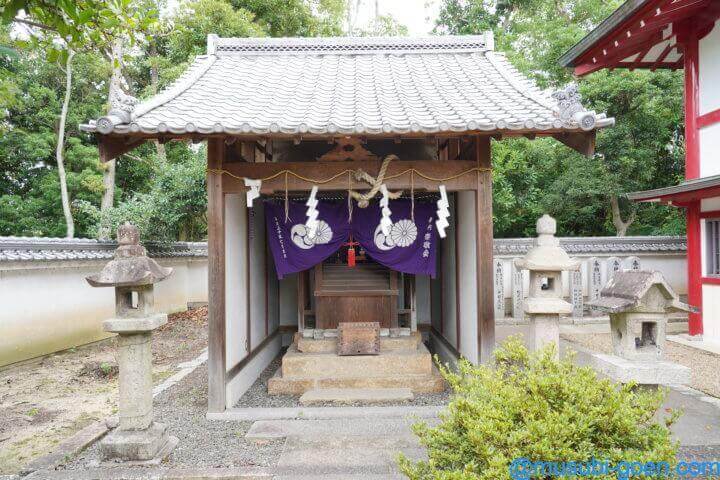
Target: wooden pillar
x,y
216,277
484,253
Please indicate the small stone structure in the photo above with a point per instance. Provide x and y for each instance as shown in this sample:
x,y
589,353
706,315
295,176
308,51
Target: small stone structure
x,y
546,261
638,303
132,273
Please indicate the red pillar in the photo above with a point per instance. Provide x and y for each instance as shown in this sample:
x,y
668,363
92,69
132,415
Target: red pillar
x,y
692,170
694,267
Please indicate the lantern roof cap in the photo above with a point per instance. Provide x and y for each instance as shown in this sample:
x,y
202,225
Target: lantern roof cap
x,y
130,265
627,289
547,255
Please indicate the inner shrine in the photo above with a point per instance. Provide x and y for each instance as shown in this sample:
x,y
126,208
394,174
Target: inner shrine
x,y
349,200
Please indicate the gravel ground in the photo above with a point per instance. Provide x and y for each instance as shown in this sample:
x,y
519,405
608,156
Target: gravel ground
x,y
46,400
203,443
257,395
704,366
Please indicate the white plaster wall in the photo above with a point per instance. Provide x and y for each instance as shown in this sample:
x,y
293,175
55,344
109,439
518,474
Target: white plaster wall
x,y
710,204
48,306
422,299
235,279
672,265
467,250
259,302
447,264
710,150
711,312
709,71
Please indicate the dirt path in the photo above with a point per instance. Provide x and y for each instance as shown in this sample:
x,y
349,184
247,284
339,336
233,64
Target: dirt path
x,y
46,400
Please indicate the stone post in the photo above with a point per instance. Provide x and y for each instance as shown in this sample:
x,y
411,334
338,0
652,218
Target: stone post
x,y
576,293
546,261
517,293
138,437
499,289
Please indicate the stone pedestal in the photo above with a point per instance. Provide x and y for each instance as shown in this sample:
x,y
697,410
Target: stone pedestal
x,y
138,438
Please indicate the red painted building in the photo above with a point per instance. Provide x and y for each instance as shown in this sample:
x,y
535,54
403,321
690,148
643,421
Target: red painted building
x,y
676,34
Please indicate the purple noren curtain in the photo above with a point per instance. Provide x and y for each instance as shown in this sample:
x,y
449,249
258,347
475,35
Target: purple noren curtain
x,y
410,247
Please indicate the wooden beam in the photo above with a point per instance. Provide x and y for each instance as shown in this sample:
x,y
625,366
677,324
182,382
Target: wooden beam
x,y
484,253
216,278
326,170
111,148
583,143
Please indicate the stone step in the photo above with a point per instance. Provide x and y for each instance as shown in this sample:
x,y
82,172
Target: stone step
x,y
355,395
387,344
418,383
300,364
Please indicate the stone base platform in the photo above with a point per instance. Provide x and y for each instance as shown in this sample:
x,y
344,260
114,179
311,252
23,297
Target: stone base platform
x,y
403,362
355,395
642,372
148,447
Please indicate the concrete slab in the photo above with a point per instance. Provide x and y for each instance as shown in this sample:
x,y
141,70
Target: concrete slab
x,y
644,372
355,395
347,454
321,413
358,427
699,423
704,344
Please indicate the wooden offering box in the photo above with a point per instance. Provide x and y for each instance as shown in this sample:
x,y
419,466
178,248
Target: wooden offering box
x,y
359,338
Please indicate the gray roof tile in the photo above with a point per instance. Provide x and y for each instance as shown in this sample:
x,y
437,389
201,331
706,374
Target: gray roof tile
x,y
323,86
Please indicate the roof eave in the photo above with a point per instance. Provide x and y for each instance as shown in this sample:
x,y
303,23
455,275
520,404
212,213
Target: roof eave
x,y
619,16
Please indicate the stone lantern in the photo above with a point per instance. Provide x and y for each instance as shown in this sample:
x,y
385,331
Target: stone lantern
x,y
546,261
638,303
132,273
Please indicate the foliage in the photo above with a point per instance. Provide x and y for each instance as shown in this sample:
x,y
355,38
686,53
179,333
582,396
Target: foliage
x,y
173,209
529,405
383,25
643,150
79,24
166,197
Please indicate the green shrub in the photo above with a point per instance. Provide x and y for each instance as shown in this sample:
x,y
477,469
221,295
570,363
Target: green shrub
x,y
529,405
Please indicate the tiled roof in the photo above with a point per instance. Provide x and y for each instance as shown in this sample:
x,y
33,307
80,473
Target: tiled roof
x,y
29,249
325,86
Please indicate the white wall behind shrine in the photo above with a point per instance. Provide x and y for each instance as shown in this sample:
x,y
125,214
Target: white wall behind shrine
x,y
709,71
48,306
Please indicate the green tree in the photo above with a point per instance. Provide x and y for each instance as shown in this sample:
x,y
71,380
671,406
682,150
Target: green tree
x,y
643,150
63,28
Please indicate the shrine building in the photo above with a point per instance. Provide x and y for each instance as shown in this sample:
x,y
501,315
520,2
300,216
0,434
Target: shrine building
x,y
349,185
676,34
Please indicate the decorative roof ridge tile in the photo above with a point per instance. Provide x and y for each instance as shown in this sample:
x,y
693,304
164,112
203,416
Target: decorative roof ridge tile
x,y
349,45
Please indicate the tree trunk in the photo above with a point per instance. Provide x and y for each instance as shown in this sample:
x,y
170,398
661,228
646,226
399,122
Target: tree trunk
x,y
620,226
108,198
60,149
154,81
